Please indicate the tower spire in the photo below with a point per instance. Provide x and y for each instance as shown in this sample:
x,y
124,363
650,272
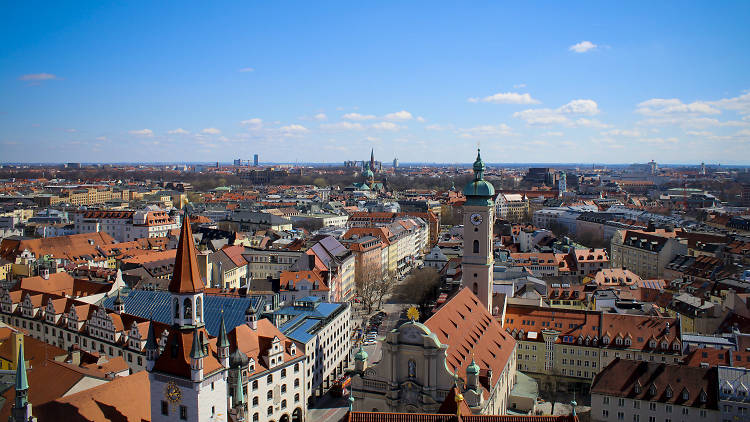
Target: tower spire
x,y
21,411
186,277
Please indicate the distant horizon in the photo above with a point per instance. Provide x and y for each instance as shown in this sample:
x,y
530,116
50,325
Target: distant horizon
x,y
389,165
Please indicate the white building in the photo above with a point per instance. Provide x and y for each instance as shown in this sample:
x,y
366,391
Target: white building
x,y
323,331
734,393
125,226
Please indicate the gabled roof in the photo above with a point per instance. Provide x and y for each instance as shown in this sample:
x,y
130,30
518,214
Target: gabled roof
x,y
471,332
186,278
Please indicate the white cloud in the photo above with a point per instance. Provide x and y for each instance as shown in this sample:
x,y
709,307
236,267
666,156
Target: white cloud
x,y
293,130
703,133
71,130
562,115
142,132
438,127
357,116
506,98
246,69
658,141
582,122
37,77
743,132
486,131
662,107
740,104
178,131
553,134
421,119
627,132
342,126
519,86
320,116
254,123
385,126
211,131
582,47
691,122
399,116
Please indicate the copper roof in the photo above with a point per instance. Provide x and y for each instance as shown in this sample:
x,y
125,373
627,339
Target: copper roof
x,y
186,278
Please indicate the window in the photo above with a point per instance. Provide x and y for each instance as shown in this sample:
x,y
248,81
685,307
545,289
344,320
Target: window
x,y
269,379
296,398
283,388
176,308
283,373
255,401
296,367
269,395
164,408
606,400
620,416
669,408
255,385
621,402
296,383
270,410
188,307
256,417
183,413
198,308
605,413
283,404
652,406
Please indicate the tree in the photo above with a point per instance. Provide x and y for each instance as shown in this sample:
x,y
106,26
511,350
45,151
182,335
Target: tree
x,y
421,288
368,288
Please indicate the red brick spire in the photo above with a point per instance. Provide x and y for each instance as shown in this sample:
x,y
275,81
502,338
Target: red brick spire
x,y
186,278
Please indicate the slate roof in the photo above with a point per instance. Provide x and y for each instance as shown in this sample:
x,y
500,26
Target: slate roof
x,y
157,304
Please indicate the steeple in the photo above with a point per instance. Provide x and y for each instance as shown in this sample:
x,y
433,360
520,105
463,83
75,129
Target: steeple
x,y
186,285
21,411
479,167
372,159
222,343
186,277
479,191
152,347
119,304
239,401
196,357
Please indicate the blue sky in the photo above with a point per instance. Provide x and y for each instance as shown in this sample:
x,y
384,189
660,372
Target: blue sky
x,y
421,81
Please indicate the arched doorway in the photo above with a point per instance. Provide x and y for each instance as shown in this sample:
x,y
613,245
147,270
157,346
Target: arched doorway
x,y
297,415
284,418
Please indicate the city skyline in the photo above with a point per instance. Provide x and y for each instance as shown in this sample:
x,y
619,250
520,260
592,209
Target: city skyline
x,y
424,82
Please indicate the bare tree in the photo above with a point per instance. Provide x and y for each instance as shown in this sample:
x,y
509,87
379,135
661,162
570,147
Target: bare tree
x,y
368,288
421,288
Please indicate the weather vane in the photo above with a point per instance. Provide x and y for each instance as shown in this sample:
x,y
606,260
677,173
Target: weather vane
x,y
412,314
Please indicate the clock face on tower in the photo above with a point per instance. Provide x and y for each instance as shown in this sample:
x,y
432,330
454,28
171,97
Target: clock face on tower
x,y
172,392
476,219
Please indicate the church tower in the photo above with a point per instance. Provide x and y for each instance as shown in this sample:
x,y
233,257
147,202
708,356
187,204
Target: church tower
x,y
479,218
189,376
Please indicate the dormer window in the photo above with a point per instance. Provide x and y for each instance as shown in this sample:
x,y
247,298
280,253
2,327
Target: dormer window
x,y
652,390
669,392
676,347
628,342
638,388
664,345
703,397
618,341
652,344
605,340
685,395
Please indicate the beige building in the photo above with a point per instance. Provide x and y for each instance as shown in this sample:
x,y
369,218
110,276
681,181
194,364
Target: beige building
x,y
421,363
513,207
566,348
646,252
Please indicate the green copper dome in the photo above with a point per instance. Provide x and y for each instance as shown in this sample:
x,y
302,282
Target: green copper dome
x,y
361,355
368,174
473,368
479,191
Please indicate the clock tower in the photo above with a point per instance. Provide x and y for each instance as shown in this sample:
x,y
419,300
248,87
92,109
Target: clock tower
x,y
188,373
479,218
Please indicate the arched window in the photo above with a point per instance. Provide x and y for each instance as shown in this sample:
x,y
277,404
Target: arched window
x,y
476,288
188,305
476,246
176,308
198,309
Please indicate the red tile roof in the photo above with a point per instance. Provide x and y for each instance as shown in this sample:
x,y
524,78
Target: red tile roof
x,y
470,330
186,278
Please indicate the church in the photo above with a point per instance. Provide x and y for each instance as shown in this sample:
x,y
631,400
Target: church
x,y
462,346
